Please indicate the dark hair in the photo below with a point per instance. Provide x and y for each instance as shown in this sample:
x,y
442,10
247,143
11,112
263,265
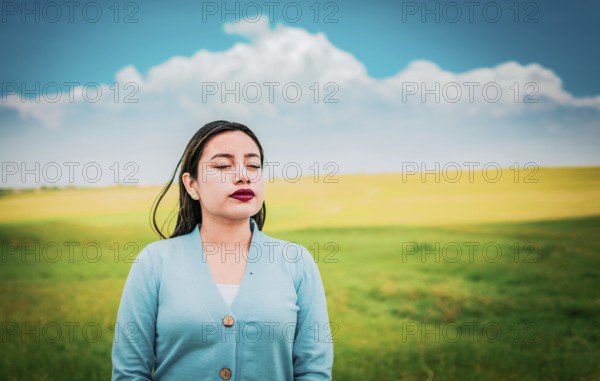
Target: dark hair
x,y
190,213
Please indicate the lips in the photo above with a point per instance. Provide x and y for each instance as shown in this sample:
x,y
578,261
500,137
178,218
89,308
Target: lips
x,y
243,194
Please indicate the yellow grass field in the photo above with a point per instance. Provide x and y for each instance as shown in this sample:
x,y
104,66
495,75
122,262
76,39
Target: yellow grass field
x,y
545,300
352,200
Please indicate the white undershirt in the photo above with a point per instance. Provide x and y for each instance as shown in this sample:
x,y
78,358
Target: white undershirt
x,y
228,291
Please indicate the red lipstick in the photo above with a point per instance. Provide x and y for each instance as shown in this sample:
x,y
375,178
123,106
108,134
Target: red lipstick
x,y
243,194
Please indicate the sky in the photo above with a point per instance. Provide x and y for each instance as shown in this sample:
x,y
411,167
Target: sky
x,y
384,84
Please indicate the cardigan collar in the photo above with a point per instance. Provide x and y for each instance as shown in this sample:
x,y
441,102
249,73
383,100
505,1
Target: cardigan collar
x,y
206,285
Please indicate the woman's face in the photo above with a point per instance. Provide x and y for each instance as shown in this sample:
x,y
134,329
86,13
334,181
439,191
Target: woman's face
x,y
230,162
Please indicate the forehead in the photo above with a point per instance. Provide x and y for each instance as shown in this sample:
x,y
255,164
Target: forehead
x,y
236,143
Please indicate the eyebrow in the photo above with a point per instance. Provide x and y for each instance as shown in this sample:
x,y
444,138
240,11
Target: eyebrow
x,y
230,156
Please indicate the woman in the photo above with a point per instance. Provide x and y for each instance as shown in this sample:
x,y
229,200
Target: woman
x,y
219,299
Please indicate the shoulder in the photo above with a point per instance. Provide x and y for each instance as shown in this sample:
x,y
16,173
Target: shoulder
x,y
156,253
163,246
289,251
296,258
157,256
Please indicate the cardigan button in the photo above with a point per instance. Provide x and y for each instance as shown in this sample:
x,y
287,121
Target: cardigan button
x,y
225,373
228,321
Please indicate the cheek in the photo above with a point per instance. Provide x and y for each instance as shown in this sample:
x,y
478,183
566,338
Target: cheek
x,y
258,179
213,187
260,187
260,183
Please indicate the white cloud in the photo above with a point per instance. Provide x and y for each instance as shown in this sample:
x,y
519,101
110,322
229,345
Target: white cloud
x,y
296,59
384,115
248,27
129,74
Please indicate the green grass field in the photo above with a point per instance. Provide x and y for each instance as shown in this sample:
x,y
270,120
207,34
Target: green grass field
x,y
425,280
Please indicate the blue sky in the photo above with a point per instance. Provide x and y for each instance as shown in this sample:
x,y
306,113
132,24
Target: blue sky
x,y
384,35
365,55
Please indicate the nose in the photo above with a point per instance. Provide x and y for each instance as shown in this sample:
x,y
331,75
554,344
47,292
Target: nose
x,y
241,173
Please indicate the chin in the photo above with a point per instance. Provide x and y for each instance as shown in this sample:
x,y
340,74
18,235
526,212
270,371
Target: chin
x,y
240,214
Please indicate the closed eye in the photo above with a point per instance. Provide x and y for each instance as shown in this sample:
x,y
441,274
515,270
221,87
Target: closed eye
x,y
227,166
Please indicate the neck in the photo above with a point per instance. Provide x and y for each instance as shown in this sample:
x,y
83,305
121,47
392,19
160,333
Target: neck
x,y
225,231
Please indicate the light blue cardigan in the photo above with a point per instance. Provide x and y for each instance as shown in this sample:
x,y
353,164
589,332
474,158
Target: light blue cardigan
x,y
171,316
